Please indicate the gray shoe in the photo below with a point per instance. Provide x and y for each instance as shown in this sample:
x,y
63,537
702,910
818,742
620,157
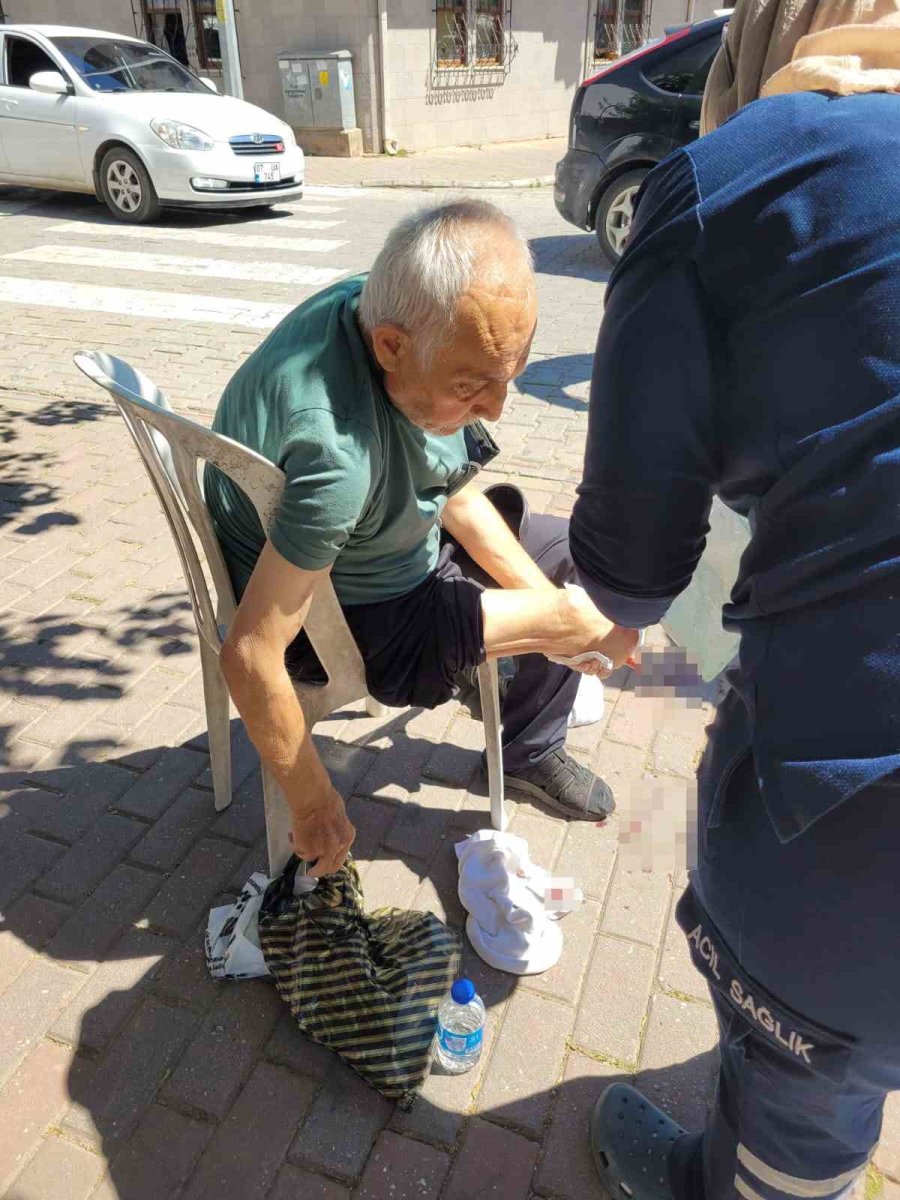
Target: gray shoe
x,y
632,1142
564,785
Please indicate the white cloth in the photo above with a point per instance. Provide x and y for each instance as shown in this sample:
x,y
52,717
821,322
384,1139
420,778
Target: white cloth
x,y
589,702
503,892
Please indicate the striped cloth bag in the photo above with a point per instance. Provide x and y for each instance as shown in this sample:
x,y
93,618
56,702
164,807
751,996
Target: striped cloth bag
x,y
367,986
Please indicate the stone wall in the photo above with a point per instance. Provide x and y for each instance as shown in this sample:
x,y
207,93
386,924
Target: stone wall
x,y
430,106
674,12
114,15
310,25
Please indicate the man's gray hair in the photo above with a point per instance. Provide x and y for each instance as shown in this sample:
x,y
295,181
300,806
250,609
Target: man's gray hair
x,y
426,266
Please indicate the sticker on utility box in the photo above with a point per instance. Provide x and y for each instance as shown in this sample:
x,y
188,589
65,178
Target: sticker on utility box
x,y
323,78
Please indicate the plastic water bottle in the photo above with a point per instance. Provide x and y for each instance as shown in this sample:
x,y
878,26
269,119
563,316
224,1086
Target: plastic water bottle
x,y
460,1031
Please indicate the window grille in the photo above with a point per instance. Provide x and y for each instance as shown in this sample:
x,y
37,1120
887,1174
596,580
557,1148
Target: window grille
x,y
474,36
620,27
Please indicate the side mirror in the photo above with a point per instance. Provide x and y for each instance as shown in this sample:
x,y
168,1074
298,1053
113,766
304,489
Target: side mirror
x,y
210,84
50,82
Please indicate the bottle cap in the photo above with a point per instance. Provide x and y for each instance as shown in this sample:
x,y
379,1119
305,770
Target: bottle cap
x,y
463,991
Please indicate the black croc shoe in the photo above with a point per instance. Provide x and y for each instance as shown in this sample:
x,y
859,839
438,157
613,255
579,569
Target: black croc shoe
x,y
632,1141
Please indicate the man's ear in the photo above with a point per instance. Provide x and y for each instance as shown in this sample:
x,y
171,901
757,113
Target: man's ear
x,y
390,345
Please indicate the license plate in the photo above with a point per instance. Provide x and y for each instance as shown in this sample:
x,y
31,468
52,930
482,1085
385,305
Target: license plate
x,y
265,172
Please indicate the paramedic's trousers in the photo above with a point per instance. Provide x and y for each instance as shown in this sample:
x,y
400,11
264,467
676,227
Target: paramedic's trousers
x,y
414,645
799,943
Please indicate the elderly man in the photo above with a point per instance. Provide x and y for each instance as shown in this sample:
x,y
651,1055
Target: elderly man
x,y
364,397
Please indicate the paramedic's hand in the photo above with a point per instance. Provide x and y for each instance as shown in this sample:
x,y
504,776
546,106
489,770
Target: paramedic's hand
x,y
321,834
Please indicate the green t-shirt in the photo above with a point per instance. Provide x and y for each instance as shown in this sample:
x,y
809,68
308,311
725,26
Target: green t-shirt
x,y
365,486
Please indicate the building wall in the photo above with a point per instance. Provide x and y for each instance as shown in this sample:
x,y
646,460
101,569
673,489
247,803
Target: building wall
x,y
311,25
429,106
114,15
674,12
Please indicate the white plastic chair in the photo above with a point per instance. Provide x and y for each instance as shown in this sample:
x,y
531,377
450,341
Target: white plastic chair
x,y
173,449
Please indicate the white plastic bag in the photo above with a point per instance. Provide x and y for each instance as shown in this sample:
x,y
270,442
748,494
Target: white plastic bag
x,y
232,941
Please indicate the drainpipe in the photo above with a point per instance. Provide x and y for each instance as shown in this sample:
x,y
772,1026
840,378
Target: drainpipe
x,y
231,54
389,143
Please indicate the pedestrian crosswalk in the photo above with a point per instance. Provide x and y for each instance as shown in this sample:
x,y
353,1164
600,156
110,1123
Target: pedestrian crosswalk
x,y
136,302
96,264
176,265
198,236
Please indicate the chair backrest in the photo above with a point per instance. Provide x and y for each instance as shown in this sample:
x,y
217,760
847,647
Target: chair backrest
x,y
172,447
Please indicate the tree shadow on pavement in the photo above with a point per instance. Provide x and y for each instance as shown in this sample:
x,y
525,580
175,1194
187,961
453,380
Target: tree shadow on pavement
x,y
548,378
79,657
26,478
175,1075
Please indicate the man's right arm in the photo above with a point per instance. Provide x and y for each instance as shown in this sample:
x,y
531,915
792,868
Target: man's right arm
x,y
270,615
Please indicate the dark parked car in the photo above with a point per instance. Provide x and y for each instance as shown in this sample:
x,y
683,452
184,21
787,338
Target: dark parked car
x,y
625,119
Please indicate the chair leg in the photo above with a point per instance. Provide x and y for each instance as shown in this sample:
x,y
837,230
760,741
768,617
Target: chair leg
x,y
375,708
278,824
489,687
218,722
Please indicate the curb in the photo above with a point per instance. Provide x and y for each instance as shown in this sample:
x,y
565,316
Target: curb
x,y
426,184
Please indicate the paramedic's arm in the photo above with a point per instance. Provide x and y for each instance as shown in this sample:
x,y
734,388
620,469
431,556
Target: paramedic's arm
x,y
650,469
269,617
475,523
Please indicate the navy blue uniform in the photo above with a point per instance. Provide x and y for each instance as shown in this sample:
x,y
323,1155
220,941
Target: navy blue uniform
x,y
751,349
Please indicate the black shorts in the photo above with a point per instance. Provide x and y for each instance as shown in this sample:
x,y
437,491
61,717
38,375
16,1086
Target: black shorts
x,y
412,645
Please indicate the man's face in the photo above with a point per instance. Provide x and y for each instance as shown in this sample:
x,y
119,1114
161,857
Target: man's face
x,y
469,375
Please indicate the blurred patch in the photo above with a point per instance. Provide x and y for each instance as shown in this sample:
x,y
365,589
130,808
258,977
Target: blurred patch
x,y
658,825
669,674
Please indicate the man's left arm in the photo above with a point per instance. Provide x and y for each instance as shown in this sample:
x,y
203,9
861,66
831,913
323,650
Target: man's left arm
x,y
475,523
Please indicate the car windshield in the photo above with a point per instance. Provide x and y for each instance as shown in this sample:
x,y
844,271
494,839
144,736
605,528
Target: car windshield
x,y
110,65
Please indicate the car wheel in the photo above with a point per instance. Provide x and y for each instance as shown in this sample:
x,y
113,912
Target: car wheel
x,y
615,213
126,187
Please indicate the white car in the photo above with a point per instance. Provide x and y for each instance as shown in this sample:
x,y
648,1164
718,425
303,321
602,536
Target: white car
x,y
86,111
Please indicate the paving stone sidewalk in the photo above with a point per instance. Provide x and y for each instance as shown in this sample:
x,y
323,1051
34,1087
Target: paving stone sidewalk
x,y
498,165
125,1072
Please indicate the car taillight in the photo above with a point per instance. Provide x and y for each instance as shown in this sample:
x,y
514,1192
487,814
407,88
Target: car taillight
x,y
636,54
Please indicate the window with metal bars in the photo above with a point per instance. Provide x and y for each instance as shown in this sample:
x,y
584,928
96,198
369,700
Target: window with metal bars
x,y
452,34
206,27
621,26
489,40
164,27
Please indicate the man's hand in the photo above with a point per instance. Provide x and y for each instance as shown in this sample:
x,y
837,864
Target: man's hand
x,y
322,835
589,630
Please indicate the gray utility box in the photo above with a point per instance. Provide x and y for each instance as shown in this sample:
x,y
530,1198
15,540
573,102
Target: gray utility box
x,y
318,89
